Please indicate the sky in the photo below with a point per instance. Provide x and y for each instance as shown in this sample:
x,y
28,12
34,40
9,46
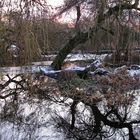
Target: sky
x,y
55,2
68,18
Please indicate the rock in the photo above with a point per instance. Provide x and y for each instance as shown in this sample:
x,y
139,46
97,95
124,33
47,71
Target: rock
x,y
100,72
121,70
134,67
13,50
134,70
93,66
49,72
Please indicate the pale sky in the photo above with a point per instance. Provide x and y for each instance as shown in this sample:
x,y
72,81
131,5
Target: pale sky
x,y
55,2
68,18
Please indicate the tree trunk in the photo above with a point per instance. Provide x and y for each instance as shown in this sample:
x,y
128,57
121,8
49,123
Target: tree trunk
x,y
78,39
82,37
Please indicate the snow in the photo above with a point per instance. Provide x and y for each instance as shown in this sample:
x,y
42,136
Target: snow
x,y
43,126
76,68
39,126
37,123
134,72
47,70
99,71
136,105
88,56
79,56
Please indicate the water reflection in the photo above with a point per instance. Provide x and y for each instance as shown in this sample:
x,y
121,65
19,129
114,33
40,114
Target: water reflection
x,y
23,115
32,104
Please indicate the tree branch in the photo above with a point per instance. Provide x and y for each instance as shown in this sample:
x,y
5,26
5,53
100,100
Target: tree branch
x,y
118,125
82,37
8,95
73,112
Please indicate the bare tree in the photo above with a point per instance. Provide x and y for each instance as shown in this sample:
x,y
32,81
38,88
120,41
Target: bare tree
x,y
104,12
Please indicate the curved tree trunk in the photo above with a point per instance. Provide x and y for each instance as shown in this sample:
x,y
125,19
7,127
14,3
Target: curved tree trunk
x,y
78,39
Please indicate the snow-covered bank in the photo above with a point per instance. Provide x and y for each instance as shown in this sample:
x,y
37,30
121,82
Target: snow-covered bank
x,y
35,66
34,119
36,123
78,56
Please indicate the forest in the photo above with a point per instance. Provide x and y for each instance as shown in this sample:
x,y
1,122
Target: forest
x,y
70,71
